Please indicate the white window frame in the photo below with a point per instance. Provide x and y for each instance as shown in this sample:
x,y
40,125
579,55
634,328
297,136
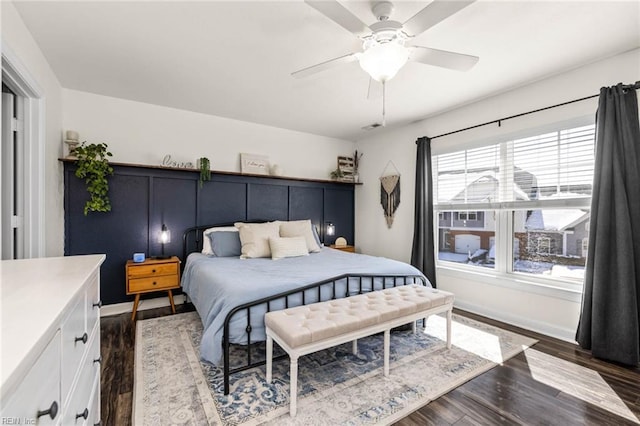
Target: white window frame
x,y
16,76
467,215
502,272
543,243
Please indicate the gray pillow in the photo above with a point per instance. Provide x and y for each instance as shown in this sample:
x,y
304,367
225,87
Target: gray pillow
x,y
225,243
315,234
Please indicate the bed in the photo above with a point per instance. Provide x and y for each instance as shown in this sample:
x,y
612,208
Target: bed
x,y
231,294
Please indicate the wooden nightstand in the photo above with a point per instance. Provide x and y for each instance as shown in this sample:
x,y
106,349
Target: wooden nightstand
x,y
152,275
350,249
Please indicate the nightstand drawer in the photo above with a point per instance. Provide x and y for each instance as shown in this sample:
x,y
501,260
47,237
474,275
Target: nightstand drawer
x,y
153,283
153,270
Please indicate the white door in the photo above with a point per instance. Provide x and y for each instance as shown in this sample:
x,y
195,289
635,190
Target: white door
x,y
11,183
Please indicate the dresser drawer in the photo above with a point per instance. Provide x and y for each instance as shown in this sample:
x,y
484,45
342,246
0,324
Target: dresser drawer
x,y
80,400
153,270
93,301
38,390
140,285
94,406
73,346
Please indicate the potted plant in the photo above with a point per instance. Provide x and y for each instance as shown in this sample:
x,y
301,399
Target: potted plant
x,y
356,164
337,174
205,170
93,167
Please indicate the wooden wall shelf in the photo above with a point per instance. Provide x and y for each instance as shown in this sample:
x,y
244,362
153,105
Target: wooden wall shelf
x,y
219,172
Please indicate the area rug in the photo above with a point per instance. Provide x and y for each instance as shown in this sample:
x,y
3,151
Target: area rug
x,y
335,387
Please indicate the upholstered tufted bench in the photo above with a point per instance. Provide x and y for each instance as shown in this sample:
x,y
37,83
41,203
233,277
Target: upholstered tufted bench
x,y
306,329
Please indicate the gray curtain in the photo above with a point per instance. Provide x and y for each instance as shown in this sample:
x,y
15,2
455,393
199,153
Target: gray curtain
x,y
422,253
610,317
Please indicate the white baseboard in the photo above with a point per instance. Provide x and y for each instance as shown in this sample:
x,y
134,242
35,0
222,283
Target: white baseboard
x,y
156,302
538,326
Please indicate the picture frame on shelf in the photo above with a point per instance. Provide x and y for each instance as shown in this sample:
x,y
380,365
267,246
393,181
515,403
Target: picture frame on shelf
x,y
346,166
254,164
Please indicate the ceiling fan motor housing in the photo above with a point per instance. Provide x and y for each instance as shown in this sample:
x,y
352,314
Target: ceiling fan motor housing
x,y
387,31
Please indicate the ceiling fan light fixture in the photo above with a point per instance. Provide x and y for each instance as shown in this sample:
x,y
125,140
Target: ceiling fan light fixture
x,y
382,61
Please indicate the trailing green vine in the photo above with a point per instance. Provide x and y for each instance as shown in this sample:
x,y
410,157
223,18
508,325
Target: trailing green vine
x,y
93,166
205,170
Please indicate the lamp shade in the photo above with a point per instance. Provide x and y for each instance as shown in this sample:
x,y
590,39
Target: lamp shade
x,y
331,228
382,61
165,235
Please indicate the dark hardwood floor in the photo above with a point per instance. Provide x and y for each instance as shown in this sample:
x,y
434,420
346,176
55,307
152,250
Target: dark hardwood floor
x,y
544,385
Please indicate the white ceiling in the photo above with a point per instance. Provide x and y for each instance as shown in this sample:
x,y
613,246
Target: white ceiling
x,y
233,59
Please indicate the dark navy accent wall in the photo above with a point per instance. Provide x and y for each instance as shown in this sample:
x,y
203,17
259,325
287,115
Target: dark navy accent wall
x,y
143,198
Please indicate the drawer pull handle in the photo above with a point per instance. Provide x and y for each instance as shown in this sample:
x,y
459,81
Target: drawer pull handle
x,y
154,283
98,304
52,411
98,360
84,414
153,271
82,339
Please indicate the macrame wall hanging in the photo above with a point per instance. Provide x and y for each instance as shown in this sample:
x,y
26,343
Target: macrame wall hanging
x,y
390,191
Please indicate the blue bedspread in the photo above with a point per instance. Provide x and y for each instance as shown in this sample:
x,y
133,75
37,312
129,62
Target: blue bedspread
x,y
216,285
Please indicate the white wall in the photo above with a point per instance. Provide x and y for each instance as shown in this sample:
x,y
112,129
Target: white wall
x,y
554,313
19,41
144,133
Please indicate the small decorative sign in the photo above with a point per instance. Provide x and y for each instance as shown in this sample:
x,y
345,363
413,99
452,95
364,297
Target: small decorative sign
x,y
167,161
254,164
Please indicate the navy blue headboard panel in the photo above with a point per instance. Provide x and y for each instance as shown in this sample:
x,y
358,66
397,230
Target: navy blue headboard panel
x,y
143,198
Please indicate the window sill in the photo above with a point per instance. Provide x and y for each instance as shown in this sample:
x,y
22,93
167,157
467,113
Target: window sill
x,y
566,290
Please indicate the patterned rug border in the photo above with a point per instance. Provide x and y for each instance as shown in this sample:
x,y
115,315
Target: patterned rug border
x,y
210,405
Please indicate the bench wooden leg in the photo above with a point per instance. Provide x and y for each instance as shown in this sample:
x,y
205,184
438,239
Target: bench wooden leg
x,y
269,357
449,318
354,346
293,376
387,343
414,327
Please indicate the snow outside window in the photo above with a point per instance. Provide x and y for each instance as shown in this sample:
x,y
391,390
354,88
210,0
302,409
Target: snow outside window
x,y
520,206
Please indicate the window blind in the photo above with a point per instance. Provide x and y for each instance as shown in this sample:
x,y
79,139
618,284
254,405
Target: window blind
x,y
553,169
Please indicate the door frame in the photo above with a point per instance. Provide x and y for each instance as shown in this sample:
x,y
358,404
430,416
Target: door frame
x,y
32,110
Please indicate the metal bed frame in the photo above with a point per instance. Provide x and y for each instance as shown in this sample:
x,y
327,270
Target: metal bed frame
x,y
310,293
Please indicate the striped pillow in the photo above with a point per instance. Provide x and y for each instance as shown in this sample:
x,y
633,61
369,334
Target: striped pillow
x,y
288,247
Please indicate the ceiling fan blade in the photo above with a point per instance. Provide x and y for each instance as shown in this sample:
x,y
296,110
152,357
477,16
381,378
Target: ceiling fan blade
x,y
340,15
433,13
314,69
375,90
442,58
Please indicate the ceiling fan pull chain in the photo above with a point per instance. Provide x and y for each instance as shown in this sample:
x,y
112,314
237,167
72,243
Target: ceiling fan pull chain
x,y
384,101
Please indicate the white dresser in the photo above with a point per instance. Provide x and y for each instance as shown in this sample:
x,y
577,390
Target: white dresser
x,y
50,341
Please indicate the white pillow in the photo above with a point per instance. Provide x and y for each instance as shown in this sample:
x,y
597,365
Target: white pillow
x,y
288,247
254,238
300,228
206,242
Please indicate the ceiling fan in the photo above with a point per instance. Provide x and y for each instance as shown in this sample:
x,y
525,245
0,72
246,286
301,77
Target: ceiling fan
x,y
381,47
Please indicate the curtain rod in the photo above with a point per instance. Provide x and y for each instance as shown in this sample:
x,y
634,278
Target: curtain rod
x,y
634,86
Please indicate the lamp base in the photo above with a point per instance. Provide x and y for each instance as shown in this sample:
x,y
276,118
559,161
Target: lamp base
x,y
163,257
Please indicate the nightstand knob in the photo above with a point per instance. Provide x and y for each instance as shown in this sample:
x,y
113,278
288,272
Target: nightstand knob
x,y
154,283
98,304
82,339
52,411
98,360
153,271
